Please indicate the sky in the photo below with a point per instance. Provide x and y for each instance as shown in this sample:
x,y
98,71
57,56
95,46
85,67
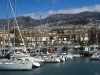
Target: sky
x,y
44,8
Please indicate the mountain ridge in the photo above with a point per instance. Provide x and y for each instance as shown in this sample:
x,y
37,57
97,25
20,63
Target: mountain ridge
x,y
76,19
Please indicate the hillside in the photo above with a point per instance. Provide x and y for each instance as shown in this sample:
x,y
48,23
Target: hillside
x,y
77,19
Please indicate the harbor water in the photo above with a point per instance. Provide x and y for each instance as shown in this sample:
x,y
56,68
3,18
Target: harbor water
x,y
77,66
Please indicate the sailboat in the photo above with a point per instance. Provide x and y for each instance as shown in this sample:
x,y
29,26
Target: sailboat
x,y
39,58
23,56
14,64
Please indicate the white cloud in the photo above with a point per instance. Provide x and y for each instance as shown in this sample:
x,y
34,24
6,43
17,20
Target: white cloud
x,y
64,11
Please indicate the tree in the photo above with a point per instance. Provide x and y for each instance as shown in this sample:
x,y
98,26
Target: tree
x,y
17,37
92,35
51,38
73,37
68,38
65,49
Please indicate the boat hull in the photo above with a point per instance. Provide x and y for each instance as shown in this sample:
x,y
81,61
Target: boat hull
x,y
15,66
95,58
51,61
35,64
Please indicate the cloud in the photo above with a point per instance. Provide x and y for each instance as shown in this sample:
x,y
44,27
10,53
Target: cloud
x,y
64,11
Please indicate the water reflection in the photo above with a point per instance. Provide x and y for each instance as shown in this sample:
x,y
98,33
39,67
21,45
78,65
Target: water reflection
x,y
97,74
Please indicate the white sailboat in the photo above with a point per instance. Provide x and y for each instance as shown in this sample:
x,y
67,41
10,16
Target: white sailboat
x,y
6,64
38,58
34,63
20,55
15,65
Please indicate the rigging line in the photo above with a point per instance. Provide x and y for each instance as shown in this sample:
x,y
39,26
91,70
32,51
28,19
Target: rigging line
x,y
7,13
8,21
16,23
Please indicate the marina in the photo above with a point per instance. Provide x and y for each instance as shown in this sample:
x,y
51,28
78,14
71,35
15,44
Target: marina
x,y
77,66
56,42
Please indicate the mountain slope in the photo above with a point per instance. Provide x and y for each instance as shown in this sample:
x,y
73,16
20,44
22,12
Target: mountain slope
x,y
77,19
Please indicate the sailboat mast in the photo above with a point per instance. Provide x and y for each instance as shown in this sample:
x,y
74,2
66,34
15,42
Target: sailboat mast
x,y
14,21
40,33
13,10
97,37
4,40
47,33
7,23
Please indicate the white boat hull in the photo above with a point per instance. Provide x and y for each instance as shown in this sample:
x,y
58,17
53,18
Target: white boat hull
x,y
52,60
95,58
35,64
15,66
62,59
40,61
